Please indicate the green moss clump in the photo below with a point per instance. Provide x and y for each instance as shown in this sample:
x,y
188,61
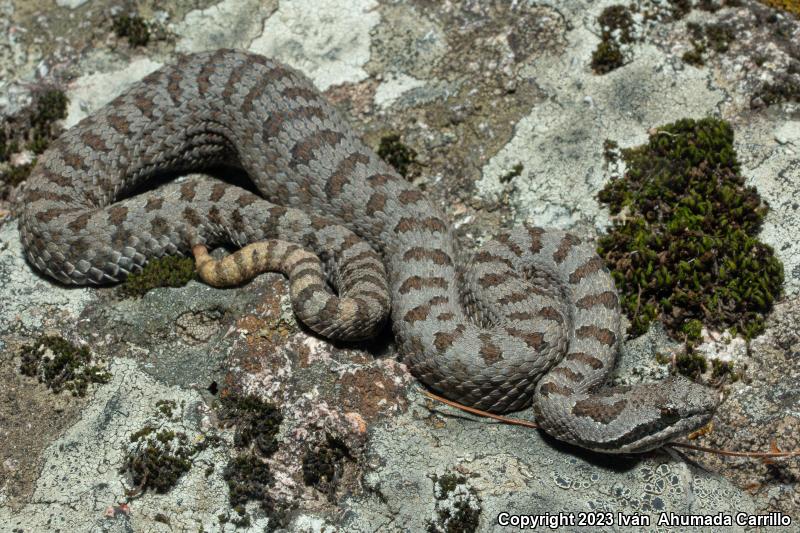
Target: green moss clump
x,y
690,364
12,176
723,369
62,365
248,479
680,8
7,146
687,250
257,422
34,129
785,88
694,56
616,24
322,467
711,6
447,484
248,476
610,151
158,456
397,154
16,175
617,18
515,171
133,28
707,38
37,126
140,434
166,407
167,271
459,510
158,459
607,57
51,106
719,37
692,329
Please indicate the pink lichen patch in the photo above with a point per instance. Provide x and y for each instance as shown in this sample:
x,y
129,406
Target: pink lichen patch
x,y
358,98
374,390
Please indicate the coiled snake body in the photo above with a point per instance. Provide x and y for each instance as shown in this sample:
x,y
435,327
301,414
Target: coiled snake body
x,y
532,320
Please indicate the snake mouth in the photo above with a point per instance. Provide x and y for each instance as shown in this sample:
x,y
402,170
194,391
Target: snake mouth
x,y
651,441
651,434
683,407
669,423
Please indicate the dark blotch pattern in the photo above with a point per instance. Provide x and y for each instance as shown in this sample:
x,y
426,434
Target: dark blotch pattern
x,y
492,335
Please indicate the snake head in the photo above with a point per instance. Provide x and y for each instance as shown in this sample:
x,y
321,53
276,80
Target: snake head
x,y
629,419
661,412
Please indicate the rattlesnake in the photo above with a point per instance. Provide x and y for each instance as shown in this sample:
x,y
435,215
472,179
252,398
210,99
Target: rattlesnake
x,y
533,320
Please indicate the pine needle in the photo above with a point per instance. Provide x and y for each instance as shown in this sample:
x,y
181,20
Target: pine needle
x,y
766,457
478,412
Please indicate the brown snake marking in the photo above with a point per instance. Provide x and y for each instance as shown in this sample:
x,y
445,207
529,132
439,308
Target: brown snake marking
x,y
381,241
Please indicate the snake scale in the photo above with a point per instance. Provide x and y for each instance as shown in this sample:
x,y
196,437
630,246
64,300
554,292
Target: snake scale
x,y
532,320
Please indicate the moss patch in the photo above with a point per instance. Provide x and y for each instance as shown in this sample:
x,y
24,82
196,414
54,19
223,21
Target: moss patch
x,y
458,507
16,174
133,28
257,422
248,475
32,129
322,467
51,106
680,8
248,478
785,88
686,250
397,154
515,172
690,364
61,365
158,459
616,24
607,57
618,31
723,369
707,39
615,19
7,146
167,271
610,151
166,407
158,455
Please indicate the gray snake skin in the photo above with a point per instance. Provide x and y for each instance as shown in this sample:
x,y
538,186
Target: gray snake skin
x,y
533,320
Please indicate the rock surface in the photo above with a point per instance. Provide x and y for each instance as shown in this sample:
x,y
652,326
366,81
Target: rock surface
x,y
477,89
